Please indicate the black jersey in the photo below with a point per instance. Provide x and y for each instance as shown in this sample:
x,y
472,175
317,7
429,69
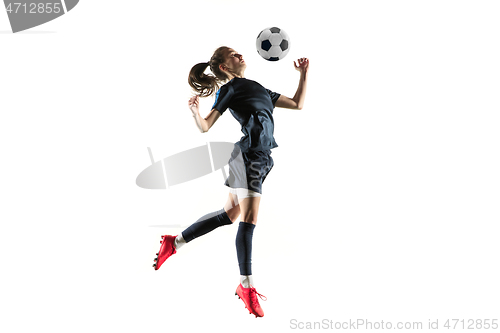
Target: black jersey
x,y
252,105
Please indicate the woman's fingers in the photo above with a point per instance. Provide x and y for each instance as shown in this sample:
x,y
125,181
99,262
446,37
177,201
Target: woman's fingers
x,y
301,63
193,100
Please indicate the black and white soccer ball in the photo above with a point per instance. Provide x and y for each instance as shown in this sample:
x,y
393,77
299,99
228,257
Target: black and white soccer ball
x,y
273,44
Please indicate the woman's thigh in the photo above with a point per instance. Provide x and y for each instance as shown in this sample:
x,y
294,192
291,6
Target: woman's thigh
x,y
249,208
232,207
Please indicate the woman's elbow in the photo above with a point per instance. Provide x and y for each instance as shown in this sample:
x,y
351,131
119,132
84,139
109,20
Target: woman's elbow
x,y
298,104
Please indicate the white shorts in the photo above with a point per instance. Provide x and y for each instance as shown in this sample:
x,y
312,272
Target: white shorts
x,y
243,193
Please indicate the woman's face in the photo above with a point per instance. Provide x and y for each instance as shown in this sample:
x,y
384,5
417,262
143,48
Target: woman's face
x,y
234,61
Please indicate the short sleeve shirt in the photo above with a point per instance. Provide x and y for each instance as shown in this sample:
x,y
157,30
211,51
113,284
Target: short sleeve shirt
x,y
252,106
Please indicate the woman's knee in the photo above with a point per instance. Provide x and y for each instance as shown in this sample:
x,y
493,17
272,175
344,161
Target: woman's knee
x,y
233,213
249,215
250,220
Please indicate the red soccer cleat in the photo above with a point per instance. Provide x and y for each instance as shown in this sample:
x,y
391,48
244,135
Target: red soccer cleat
x,y
166,250
249,297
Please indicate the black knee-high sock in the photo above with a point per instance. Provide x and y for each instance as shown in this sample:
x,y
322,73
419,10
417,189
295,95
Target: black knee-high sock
x,y
244,247
206,224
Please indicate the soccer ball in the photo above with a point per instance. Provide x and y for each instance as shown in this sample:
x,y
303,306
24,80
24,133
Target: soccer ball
x,y
273,44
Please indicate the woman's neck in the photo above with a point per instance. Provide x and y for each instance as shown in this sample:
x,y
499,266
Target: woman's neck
x,y
238,75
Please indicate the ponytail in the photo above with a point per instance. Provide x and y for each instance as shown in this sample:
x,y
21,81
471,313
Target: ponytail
x,y
207,84
204,85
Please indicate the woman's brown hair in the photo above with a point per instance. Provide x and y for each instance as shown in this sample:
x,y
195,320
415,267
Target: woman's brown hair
x,y
207,84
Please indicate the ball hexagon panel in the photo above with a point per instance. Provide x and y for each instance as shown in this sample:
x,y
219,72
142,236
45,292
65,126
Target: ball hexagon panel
x,y
264,54
264,34
276,39
275,51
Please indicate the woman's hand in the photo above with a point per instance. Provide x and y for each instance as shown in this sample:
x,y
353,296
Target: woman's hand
x,y
302,65
204,124
194,105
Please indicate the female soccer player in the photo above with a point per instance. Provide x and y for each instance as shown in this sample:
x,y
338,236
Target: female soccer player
x,y
252,105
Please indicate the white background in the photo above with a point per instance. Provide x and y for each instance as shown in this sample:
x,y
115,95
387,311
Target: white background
x,y
383,203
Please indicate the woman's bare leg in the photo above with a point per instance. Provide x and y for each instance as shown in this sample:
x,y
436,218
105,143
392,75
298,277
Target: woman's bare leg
x,y
250,209
232,207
